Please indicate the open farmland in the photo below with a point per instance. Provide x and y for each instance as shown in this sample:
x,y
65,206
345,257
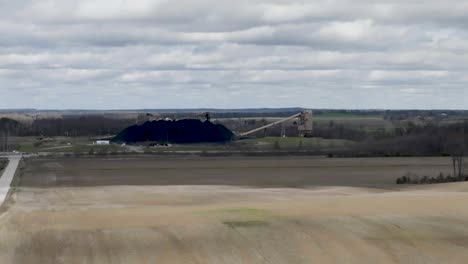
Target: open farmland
x,y
232,210
237,171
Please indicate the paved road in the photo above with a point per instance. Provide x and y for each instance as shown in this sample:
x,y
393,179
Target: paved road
x,y
7,176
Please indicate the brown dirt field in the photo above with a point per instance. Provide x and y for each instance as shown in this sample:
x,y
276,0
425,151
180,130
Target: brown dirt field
x,y
258,172
233,224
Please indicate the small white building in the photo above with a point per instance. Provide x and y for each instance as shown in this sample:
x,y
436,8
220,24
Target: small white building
x,y
102,142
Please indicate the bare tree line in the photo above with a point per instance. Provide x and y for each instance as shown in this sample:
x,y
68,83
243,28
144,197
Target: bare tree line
x,y
8,127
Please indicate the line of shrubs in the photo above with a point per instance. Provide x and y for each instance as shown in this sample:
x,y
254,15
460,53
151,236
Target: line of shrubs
x,y
3,164
412,178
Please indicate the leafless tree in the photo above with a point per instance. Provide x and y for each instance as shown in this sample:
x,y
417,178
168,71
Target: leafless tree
x,y
456,146
7,126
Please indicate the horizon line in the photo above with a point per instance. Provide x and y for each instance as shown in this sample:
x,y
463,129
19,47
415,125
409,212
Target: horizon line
x,y
233,109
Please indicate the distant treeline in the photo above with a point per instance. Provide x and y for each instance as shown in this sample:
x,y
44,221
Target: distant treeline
x,y
412,132
67,126
429,139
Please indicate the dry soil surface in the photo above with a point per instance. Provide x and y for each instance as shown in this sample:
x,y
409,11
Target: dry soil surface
x,y
193,220
233,171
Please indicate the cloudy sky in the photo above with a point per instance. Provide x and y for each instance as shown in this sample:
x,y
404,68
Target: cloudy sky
x,y
116,54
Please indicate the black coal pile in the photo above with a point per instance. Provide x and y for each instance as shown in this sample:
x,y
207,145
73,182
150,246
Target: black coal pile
x,y
180,131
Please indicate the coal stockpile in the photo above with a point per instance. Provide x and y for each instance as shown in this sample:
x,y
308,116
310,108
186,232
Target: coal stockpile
x,y
180,131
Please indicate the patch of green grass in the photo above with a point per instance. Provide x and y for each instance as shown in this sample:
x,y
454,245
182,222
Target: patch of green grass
x,y
246,212
243,217
27,147
245,224
240,212
344,115
365,123
97,149
55,144
295,143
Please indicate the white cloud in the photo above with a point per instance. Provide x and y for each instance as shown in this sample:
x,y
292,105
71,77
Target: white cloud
x,y
115,9
206,53
352,31
287,13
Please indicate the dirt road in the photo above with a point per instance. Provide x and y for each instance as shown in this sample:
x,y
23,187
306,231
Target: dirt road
x,y
7,176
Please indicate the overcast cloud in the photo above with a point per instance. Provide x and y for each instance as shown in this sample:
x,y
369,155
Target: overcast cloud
x,y
103,54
